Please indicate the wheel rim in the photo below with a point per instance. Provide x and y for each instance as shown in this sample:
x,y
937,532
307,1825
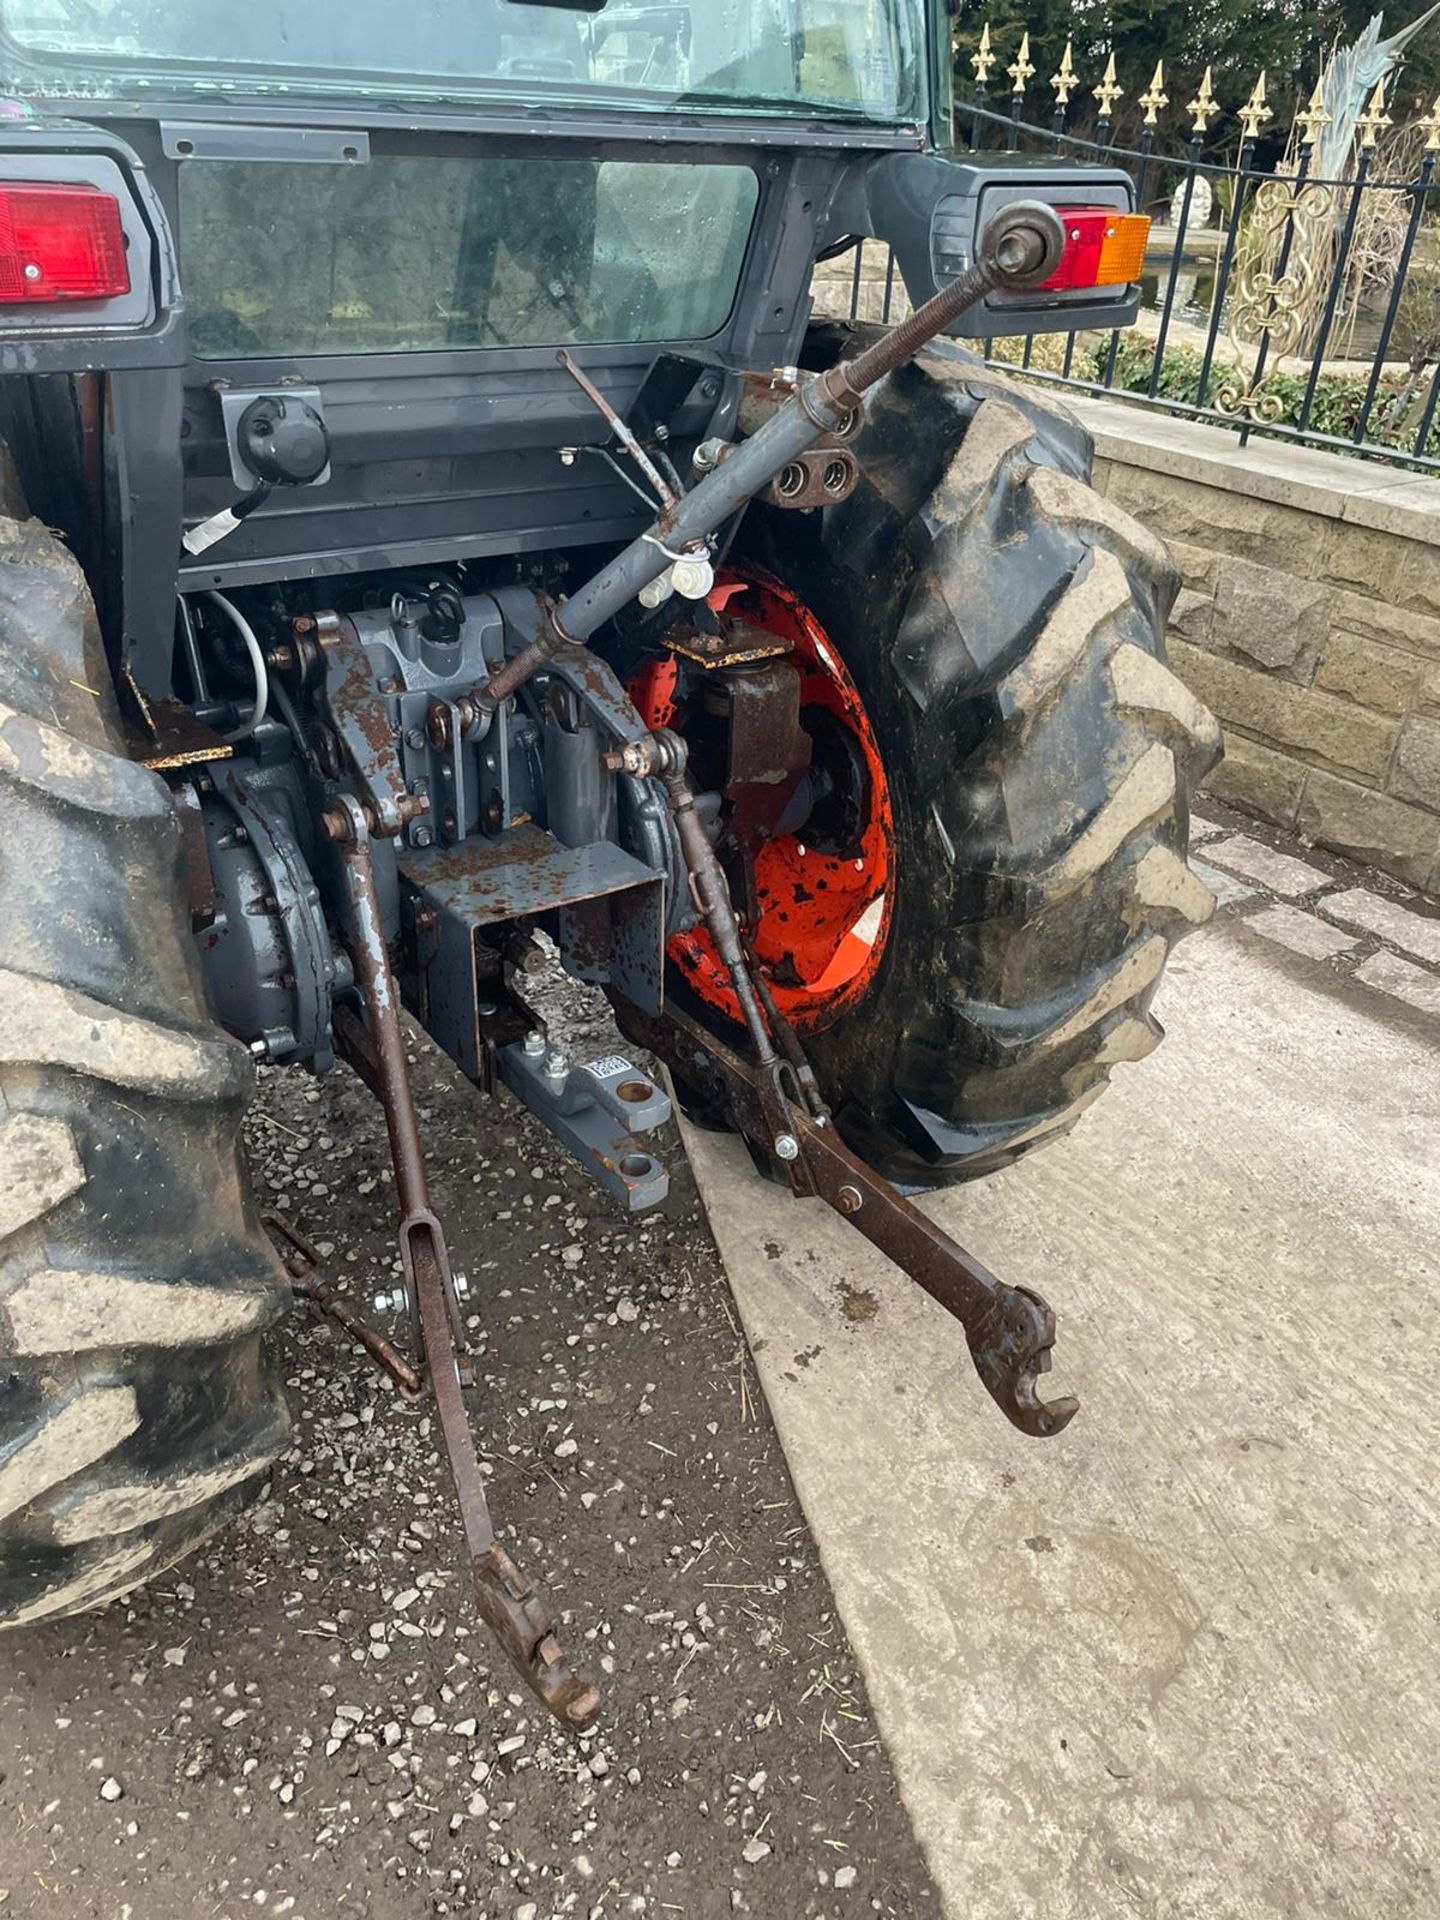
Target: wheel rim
x,y
824,909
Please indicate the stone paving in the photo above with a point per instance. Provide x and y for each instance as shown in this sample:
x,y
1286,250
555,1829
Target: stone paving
x,y
1345,918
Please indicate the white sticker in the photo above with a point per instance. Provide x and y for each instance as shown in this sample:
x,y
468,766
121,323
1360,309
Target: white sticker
x,y
607,1068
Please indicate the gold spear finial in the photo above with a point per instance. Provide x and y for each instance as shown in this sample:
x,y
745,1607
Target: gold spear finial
x,y
1203,107
1255,113
1374,120
1109,90
983,59
1021,70
1313,121
1430,125
1157,97
1065,79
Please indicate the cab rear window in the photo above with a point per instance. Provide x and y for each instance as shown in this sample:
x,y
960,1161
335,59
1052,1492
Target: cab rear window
x,y
418,253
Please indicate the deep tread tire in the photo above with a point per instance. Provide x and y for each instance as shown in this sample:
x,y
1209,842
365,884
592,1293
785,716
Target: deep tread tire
x,y
1005,625
137,1407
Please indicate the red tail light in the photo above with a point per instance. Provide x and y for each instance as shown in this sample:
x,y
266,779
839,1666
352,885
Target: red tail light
x,y
60,241
1103,248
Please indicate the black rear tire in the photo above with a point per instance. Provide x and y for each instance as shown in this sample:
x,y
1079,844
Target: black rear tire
x,y
1005,627
138,1409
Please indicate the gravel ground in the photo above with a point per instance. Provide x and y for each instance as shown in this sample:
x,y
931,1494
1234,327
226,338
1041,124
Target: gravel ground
x,y
308,1720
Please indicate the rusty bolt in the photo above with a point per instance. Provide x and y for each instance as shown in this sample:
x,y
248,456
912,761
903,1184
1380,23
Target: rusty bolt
x,y
426,919
437,725
281,659
412,806
335,824
303,623
849,1200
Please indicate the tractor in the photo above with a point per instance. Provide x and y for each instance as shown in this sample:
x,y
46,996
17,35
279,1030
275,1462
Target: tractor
x,y
439,542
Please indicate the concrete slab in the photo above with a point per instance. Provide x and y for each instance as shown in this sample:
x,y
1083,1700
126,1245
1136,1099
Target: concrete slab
x,y
1301,932
1181,1661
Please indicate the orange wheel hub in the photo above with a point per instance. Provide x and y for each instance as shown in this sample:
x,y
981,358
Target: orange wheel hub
x,y
823,910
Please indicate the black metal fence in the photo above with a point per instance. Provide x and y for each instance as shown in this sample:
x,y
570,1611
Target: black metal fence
x,y
1294,298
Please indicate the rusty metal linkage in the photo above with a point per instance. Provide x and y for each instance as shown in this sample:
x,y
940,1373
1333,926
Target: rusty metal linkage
x,y
304,1262
621,429
510,1606
775,1101
1010,1330
1019,247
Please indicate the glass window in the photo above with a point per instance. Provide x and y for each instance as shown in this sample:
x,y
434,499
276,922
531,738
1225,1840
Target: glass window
x,y
855,56
407,254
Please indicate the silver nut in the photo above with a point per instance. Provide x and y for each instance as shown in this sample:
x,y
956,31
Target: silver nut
x,y
391,1301
260,1049
787,1147
556,1064
461,1284
533,1044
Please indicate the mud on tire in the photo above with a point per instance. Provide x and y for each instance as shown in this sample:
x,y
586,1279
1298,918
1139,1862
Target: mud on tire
x,y
1005,627
137,1410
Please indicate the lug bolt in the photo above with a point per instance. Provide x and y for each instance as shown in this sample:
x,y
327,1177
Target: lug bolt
x,y
849,1200
787,1147
533,1044
556,1065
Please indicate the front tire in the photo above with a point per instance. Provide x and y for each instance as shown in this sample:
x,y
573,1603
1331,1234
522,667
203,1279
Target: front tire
x,y
138,1409
1005,627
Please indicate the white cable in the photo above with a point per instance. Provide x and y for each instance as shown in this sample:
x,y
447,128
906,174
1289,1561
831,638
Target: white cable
x,y
257,662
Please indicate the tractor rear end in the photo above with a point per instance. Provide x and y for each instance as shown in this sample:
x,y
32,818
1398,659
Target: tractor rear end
x,y
488,556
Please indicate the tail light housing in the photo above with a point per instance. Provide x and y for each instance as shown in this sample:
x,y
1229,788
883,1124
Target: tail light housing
x,y
1103,248
60,241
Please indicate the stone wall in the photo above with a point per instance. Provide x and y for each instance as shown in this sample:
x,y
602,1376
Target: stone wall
x,y
1309,620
